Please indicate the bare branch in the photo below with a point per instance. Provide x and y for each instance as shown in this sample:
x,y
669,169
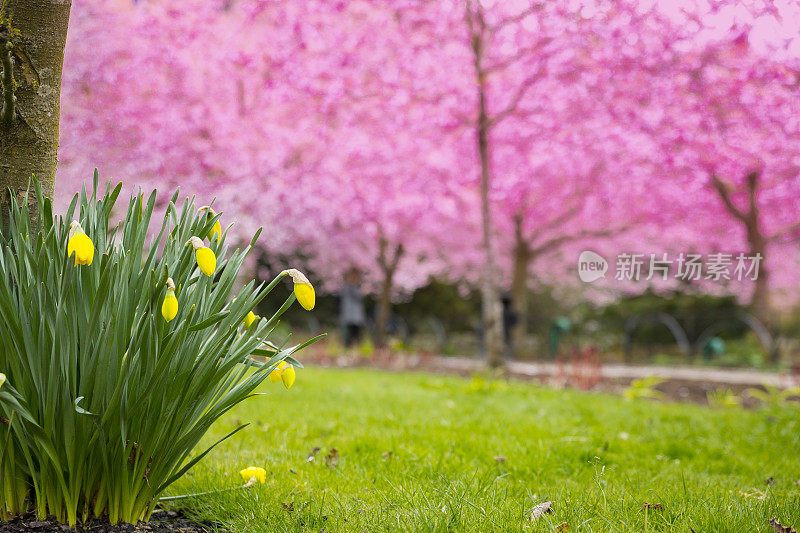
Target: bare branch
x,y
786,232
568,214
517,98
725,195
501,65
516,18
388,261
555,242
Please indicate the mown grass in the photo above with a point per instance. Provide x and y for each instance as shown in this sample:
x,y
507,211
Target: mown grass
x,y
419,452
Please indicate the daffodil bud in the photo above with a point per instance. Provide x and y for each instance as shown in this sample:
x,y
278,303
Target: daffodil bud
x,y
249,319
287,376
275,375
2,380
80,245
303,289
254,472
216,229
169,309
205,257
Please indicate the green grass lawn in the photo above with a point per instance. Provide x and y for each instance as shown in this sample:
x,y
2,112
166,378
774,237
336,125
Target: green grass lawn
x,y
420,452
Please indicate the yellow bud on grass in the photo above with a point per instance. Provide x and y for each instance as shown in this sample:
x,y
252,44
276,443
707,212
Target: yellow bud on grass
x,y
80,245
169,309
283,372
287,376
254,472
205,257
303,289
275,375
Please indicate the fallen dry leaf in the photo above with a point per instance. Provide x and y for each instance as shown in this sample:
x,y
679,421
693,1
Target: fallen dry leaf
x,y
541,509
779,528
332,459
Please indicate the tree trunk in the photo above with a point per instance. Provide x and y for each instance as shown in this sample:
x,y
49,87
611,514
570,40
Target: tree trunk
x,y
384,309
388,267
32,38
490,295
491,306
757,244
519,287
760,301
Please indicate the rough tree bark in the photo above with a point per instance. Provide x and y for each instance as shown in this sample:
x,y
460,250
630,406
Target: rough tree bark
x,y
388,263
32,38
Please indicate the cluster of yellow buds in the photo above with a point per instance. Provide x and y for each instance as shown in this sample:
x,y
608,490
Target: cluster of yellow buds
x,y
283,372
169,308
80,245
254,472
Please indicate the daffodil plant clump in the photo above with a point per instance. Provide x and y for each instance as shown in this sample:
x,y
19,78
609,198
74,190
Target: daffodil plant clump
x,y
119,347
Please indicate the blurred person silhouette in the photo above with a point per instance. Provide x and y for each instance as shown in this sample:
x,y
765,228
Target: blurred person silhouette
x,y
351,308
510,320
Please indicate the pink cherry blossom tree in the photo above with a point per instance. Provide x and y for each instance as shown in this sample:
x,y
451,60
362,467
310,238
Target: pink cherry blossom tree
x,y
483,141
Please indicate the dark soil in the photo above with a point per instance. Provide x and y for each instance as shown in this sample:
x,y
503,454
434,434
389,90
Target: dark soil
x,y
160,522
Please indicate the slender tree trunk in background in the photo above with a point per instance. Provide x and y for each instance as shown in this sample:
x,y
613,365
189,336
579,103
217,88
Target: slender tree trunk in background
x,y
490,294
760,300
519,287
388,263
757,243
491,305
32,38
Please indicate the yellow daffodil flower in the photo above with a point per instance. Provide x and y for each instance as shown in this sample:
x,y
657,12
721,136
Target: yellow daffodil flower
x,y
216,229
169,309
80,244
249,319
254,472
283,372
275,375
287,376
2,380
303,289
205,257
